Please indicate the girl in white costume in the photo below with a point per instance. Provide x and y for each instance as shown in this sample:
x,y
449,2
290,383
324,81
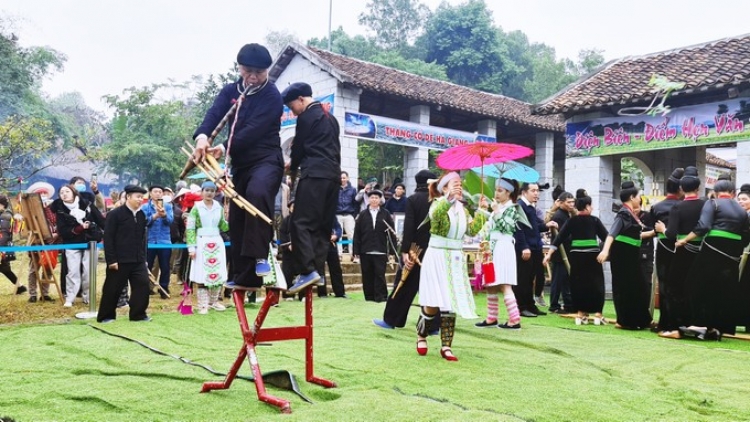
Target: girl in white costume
x,y
208,268
444,282
499,231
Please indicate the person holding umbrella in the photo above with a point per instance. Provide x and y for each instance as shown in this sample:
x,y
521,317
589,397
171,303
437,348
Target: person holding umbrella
x,y
499,230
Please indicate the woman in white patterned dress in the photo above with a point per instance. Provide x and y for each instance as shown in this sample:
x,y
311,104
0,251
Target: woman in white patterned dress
x,y
208,267
444,281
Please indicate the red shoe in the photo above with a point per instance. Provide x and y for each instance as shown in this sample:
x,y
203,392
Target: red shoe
x,y
422,350
447,354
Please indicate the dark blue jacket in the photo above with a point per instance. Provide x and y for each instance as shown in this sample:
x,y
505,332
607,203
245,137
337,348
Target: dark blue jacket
x,y
529,237
256,134
348,200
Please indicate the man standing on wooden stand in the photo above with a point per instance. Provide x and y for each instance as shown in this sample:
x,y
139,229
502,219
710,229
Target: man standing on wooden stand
x,y
316,152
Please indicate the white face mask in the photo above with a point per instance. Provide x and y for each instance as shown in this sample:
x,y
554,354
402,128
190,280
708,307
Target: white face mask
x,y
167,199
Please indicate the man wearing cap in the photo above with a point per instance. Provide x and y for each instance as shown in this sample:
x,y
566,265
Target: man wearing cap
x,y
257,161
159,218
417,207
125,254
371,236
364,193
316,155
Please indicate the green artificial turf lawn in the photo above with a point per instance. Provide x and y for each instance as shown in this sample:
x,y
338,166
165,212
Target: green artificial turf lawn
x,y
551,370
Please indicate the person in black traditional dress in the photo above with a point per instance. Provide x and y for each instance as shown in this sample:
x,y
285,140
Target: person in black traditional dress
x,y
713,277
674,305
417,206
665,247
743,319
630,290
586,275
254,147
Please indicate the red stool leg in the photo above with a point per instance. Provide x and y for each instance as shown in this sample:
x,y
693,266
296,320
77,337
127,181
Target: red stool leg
x,y
309,344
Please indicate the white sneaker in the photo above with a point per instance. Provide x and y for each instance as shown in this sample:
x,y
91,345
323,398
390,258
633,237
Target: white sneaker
x,y
68,304
600,321
202,311
578,321
540,301
218,307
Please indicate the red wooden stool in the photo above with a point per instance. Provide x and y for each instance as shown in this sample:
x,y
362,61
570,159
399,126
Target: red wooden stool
x,y
257,334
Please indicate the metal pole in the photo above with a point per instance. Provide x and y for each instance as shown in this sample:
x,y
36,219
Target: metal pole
x,y
330,13
93,261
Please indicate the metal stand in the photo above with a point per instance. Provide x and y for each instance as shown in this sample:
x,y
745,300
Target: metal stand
x,y
93,261
257,334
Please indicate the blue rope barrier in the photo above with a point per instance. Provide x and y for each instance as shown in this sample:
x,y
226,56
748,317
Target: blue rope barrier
x,y
64,246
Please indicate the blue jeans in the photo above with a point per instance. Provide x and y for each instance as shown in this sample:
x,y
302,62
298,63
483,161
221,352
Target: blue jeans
x,y
164,255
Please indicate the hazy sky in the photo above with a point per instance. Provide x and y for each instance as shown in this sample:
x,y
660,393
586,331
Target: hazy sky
x,y
115,44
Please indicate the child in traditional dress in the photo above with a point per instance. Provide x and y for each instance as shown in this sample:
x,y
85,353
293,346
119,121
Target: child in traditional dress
x,y
208,267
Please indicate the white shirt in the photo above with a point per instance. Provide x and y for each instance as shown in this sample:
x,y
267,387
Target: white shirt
x,y
374,214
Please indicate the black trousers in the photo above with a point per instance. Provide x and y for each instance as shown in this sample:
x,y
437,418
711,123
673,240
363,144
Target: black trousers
x,y
115,281
560,287
8,271
315,205
539,279
251,236
335,272
524,289
373,277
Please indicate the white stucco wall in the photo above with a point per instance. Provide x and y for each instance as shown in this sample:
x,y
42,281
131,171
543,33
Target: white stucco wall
x,y
323,83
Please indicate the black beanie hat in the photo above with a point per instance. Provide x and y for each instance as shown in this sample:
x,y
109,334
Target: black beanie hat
x,y
296,90
254,55
423,176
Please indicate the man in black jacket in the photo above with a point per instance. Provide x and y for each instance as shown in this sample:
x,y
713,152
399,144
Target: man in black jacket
x,y
529,251
125,254
417,207
371,236
257,161
316,153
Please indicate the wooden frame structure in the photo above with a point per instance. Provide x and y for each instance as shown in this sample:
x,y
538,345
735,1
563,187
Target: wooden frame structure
x,y
40,233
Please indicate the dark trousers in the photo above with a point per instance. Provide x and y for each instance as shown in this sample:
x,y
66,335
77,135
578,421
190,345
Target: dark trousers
x,y
373,277
539,279
335,273
163,255
115,281
524,289
560,287
315,205
397,308
8,271
251,236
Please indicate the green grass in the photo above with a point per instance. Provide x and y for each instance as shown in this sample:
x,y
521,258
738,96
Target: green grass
x,y
549,371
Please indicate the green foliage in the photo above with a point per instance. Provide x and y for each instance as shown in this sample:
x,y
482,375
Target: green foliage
x,y
380,160
358,47
416,66
474,187
24,143
147,135
396,23
21,73
463,39
629,170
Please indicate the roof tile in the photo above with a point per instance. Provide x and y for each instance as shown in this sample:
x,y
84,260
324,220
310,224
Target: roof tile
x,y
706,66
